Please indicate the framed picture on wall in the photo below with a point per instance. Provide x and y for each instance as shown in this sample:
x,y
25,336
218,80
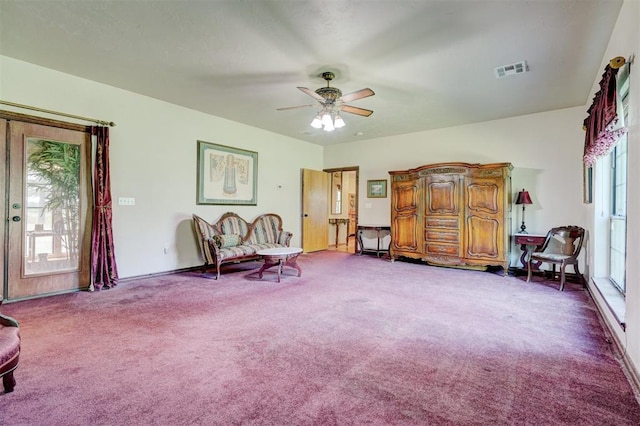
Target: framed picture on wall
x,y
377,188
227,175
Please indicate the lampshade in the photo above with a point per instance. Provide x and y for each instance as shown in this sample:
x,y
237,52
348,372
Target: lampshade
x,y
316,123
523,197
328,118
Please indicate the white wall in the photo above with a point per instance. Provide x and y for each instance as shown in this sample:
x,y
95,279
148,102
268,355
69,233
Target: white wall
x,y
153,158
545,150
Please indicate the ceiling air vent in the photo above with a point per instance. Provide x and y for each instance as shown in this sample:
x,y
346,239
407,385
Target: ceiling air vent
x,y
512,69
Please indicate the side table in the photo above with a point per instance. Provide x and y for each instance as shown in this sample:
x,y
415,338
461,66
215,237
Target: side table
x,y
337,222
380,231
528,244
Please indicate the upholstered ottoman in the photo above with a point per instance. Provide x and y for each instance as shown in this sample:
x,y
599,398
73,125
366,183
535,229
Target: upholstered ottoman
x,y
9,350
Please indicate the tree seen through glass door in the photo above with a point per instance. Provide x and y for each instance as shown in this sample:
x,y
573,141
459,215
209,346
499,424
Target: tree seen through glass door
x,y
52,204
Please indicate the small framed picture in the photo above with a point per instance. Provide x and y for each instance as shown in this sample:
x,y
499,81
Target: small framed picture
x,y
377,188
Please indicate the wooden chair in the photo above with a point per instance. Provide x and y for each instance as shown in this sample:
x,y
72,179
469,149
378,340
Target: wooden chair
x,y
561,247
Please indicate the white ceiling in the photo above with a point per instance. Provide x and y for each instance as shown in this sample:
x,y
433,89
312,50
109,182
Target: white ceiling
x,y
431,63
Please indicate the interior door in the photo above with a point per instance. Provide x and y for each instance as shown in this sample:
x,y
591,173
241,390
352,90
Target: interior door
x,y
315,210
48,222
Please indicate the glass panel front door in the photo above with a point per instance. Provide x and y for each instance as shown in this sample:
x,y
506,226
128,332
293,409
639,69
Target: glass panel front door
x,y
49,205
52,205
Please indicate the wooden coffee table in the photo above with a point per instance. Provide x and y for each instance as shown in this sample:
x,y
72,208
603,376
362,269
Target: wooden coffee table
x,y
280,257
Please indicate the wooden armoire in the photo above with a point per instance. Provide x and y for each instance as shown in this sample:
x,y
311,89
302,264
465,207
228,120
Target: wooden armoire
x,y
453,214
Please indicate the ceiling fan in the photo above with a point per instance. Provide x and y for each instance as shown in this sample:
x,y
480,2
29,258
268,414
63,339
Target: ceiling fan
x,y
332,102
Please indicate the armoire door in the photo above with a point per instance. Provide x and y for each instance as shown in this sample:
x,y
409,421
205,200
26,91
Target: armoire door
x,y
406,220
484,219
48,210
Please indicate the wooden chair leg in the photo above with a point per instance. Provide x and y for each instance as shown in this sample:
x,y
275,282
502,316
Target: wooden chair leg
x,y
580,277
529,270
8,382
562,277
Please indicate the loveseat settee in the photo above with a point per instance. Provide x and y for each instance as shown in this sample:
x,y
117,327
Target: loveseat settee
x,y
233,239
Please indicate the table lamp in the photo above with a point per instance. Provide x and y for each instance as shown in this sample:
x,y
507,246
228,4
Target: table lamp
x,y
524,199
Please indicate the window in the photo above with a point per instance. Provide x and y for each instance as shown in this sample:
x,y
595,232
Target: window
x,y
618,198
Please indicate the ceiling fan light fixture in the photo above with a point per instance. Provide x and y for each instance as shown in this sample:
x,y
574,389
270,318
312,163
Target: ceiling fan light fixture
x,y
316,123
326,119
332,102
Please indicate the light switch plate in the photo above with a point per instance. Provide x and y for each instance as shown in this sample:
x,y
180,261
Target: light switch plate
x,y
127,201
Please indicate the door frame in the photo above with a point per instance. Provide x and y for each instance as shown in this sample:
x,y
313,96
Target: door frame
x,y
355,169
10,116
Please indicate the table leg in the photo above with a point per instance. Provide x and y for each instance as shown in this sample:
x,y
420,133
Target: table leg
x,y
269,262
526,252
280,262
292,262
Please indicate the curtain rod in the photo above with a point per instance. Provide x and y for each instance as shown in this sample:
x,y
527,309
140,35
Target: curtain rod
x,y
617,62
48,111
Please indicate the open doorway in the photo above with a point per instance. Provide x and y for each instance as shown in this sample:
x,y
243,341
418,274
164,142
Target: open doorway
x,y
343,208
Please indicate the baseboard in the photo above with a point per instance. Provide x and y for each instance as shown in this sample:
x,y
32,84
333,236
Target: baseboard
x,y
160,274
629,369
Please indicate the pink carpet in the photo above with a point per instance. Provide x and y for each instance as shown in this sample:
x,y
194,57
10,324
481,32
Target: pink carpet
x,y
355,340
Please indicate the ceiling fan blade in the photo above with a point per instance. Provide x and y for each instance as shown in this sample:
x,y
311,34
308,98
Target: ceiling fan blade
x,y
311,93
293,107
355,110
363,93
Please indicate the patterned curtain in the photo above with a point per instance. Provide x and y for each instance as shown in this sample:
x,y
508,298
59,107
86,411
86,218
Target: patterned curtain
x,y
104,271
602,126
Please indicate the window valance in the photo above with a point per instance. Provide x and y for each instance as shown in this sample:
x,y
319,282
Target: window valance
x,y
603,127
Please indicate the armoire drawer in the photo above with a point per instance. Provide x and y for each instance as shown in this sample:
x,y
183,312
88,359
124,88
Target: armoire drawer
x,y
443,249
441,235
441,222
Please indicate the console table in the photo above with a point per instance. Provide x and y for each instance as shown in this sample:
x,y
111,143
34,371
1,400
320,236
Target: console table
x,y
380,232
528,244
337,222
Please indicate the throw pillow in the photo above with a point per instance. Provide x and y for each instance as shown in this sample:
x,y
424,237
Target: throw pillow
x,y
228,240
